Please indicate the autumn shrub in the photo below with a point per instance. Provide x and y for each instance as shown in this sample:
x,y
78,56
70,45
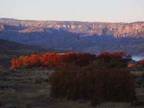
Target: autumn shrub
x,y
109,55
141,63
52,60
94,84
97,78
110,63
47,60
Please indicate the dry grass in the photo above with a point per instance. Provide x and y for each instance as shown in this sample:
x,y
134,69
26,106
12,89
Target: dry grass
x,y
137,73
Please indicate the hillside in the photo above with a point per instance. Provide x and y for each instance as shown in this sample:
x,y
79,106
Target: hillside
x,y
10,49
91,37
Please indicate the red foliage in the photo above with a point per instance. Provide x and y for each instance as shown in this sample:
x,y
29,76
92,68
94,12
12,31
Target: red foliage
x,y
60,59
141,62
51,60
15,63
108,55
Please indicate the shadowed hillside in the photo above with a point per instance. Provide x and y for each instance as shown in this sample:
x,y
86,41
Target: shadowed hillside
x,y
93,37
10,49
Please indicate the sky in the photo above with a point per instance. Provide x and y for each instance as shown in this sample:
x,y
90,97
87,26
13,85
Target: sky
x,y
74,10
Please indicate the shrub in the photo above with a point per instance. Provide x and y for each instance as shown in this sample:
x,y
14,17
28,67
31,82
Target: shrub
x,y
52,60
61,59
141,63
108,55
90,83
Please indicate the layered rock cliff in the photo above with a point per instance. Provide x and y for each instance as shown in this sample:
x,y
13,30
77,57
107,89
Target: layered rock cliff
x,y
86,28
90,37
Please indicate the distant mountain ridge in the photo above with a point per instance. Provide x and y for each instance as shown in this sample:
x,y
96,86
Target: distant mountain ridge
x,y
90,37
89,28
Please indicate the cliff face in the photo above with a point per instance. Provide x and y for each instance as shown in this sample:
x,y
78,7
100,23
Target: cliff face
x,y
86,28
1,27
90,37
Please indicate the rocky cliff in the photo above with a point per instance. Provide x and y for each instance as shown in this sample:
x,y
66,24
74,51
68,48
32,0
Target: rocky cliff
x,y
135,29
90,37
